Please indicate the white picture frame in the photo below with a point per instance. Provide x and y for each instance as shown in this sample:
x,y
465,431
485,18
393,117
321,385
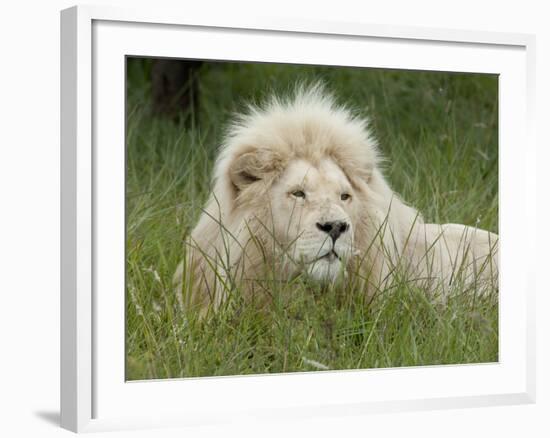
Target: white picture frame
x,y
94,394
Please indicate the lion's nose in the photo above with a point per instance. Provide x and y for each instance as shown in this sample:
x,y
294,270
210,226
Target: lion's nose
x,y
333,228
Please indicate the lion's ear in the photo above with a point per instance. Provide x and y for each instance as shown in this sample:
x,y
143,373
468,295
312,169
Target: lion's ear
x,y
358,173
253,166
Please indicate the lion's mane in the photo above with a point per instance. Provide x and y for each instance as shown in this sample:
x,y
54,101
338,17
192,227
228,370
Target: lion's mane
x,y
230,241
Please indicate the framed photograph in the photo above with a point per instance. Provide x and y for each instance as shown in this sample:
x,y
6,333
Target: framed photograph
x,y
266,218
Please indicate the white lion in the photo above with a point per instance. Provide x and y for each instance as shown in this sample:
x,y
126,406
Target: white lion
x,y
297,189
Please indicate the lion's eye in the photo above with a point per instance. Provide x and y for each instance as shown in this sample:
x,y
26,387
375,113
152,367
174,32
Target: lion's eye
x,y
299,194
345,196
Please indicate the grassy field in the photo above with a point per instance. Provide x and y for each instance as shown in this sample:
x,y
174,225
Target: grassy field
x,y
439,131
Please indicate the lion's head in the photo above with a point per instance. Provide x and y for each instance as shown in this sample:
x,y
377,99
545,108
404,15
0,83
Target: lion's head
x,y
296,187
314,217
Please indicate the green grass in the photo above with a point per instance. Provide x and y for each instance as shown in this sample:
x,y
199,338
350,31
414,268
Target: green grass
x,y
439,132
